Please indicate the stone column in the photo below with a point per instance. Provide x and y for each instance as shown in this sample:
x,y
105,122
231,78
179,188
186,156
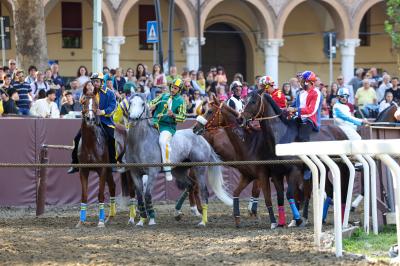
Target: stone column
x,y
348,52
271,55
112,48
191,45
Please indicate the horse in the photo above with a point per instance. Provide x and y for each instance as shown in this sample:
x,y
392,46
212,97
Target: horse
x,y
93,149
246,146
277,129
143,147
387,115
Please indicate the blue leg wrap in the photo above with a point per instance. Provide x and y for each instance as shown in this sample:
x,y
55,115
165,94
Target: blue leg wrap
x,y
295,211
327,203
83,212
102,214
236,210
307,174
254,205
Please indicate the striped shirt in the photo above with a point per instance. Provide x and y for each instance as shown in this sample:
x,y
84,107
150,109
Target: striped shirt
x,y
23,90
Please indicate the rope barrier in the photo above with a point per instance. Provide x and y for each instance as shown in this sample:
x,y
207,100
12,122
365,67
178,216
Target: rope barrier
x,y
143,165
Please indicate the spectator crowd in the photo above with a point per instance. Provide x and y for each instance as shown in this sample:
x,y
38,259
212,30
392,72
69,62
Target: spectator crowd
x,y
45,93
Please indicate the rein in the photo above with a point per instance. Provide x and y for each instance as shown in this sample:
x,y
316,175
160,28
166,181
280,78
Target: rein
x,y
217,115
261,111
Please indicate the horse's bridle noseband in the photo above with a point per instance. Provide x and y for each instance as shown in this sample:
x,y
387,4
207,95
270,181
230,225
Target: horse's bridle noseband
x,y
258,116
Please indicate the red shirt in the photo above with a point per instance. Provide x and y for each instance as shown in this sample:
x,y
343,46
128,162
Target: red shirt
x,y
279,98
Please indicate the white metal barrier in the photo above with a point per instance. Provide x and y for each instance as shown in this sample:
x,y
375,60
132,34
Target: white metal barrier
x,y
316,155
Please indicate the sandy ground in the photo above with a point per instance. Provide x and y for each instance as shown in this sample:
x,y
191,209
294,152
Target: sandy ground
x,y
53,240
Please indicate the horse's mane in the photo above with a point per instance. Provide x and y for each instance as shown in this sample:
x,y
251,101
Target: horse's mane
x,y
276,108
385,112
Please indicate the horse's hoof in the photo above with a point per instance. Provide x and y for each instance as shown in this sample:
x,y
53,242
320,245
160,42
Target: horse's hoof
x,y
195,212
292,223
101,224
140,223
109,219
79,224
178,215
152,222
282,225
274,225
237,222
201,224
300,222
131,221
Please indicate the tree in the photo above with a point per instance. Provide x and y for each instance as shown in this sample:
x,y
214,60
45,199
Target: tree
x,y
392,26
30,33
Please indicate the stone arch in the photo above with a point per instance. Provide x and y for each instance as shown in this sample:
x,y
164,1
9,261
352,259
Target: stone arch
x,y
359,14
105,10
262,12
335,9
186,12
249,42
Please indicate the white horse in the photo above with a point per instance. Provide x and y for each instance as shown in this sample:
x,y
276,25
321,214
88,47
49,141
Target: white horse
x,y
143,147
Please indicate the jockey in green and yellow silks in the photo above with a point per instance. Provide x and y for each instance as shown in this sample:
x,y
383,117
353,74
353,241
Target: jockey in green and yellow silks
x,y
170,109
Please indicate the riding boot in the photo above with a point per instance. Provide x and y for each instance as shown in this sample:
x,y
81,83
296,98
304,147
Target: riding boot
x,y
74,155
111,152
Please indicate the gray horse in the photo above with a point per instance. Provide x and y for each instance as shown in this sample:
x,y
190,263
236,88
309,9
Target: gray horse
x,y
143,147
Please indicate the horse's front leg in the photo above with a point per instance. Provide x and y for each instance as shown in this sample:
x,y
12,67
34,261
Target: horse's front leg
x,y
243,182
84,174
102,184
292,178
138,183
132,200
201,173
266,187
280,191
111,187
253,203
148,198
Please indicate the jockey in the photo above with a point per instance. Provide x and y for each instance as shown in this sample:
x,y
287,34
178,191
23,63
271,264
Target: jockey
x,y
267,84
343,117
170,109
107,104
235,102
307,112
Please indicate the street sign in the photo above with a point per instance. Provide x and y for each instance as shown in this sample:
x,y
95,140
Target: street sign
x,y
152,32
6,32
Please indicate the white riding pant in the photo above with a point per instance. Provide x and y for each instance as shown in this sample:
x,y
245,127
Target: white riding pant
x,y
350,132
165,145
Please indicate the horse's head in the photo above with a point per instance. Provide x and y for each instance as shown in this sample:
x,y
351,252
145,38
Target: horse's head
x,y
218,115
90,106
137,107
253,106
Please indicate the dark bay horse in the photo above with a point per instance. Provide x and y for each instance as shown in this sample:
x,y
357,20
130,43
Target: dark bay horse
x,y
387,115
93,149
247,146
277,129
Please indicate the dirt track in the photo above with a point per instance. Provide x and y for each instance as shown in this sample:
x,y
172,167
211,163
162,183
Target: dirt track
x,y
53,239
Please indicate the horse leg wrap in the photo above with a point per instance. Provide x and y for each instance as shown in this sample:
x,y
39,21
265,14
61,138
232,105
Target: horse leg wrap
x,y
250,203
149,207
83,212
142,209
204,216
113,207
305,208
327,203
236,210
281,215
181,200
102,214
271,214
295,211
254,206
132,208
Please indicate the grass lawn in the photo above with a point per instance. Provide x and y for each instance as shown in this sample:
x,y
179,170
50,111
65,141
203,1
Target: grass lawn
x,y
373,246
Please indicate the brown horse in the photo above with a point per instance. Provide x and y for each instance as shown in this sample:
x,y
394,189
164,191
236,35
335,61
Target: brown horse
x,y
387,115
93,149
246,146
277,129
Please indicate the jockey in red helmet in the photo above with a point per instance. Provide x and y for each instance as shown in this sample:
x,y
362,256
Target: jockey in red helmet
x,y
307,112
267,84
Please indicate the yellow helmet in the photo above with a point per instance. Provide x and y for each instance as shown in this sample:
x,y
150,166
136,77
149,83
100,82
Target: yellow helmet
x,y
178,83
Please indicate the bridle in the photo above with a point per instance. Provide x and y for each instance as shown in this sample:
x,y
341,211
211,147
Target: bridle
x,y
216,116
258,116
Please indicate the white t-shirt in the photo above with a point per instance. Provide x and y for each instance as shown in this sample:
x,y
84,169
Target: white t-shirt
x,y
43,108
82,80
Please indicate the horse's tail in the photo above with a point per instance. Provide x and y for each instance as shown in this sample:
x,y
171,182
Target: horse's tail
x,y
216,181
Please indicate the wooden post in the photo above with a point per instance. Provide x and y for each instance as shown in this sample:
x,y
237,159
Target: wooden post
x,y
41,182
